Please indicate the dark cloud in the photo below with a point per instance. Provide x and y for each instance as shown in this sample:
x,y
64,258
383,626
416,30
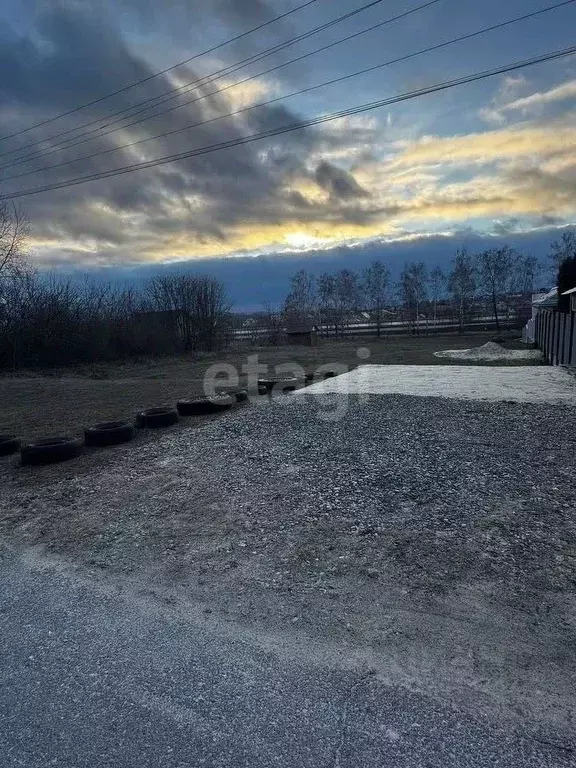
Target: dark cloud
x,y
338,182
74,52
506,227
549,221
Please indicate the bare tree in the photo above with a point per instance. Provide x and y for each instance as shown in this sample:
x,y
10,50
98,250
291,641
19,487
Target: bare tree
x,y
413,284
14,230
348,290
374,287
495,272
462,284
339,296
300,305
193,309
437,285
329,300
273,323
526,272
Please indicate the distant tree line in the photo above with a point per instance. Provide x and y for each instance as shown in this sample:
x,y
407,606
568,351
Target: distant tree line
x,y
53,320
489,282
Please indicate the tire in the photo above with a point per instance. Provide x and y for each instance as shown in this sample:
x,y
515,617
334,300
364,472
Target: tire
x,y
51,450
258,392
203,405
329,374
278,384
238,395
152,418
8,444
109,433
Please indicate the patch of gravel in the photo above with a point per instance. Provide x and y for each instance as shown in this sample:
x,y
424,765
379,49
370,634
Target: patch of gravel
x,y
439,533
490,352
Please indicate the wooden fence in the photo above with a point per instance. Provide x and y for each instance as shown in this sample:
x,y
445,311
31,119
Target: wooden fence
x,y
555,335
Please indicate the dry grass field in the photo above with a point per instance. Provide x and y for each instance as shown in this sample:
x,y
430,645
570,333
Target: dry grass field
x,y
36,404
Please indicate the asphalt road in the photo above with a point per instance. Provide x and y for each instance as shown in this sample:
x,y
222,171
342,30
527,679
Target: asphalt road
x,y
94,676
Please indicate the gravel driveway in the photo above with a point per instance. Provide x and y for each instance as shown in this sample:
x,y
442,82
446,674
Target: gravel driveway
x,y
437,537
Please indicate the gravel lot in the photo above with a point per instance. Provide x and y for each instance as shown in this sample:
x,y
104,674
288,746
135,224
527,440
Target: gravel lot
x,y
437,536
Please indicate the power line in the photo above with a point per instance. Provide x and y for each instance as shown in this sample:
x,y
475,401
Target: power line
x,y
420,52
162,72
296,126
207,80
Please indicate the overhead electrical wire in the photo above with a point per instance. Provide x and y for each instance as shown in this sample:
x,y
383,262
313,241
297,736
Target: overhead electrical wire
x,y
360,109
76,140
204,80
136,83
191,126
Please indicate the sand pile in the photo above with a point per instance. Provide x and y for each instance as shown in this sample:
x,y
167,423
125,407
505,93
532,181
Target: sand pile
x,y
490,352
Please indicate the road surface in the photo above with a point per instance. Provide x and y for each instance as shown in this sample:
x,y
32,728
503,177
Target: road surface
x,y
95,675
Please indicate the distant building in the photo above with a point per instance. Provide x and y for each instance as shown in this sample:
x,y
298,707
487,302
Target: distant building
x,y
303,335
540,300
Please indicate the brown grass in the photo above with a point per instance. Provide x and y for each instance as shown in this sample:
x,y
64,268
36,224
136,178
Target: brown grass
x,y
38,404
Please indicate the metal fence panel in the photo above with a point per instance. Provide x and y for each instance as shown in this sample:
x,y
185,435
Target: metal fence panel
x,y
556,336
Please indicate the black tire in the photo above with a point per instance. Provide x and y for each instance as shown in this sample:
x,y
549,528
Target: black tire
x,y
8,444
278,384
51,450
203,405
237,395
109,433
329,374
152,418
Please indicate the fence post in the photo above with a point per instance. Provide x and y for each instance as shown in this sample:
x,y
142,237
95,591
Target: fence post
x,y
555,333
566,339
552,337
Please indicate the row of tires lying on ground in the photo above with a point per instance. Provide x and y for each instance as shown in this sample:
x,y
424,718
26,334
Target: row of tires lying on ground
x,y
55,449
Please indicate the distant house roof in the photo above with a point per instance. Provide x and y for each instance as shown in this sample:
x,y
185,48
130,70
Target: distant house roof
x,y
549,299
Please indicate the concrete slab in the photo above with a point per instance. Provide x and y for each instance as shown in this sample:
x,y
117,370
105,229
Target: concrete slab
x,y
527,384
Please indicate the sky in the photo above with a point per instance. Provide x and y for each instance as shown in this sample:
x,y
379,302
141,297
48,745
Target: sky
x,y
477,165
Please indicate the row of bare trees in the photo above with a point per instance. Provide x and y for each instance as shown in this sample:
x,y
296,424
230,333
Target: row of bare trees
x,y
47,321
52,320
333,297
491,277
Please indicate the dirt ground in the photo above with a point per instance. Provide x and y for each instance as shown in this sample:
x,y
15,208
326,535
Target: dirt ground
x,y
435,537
38,404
